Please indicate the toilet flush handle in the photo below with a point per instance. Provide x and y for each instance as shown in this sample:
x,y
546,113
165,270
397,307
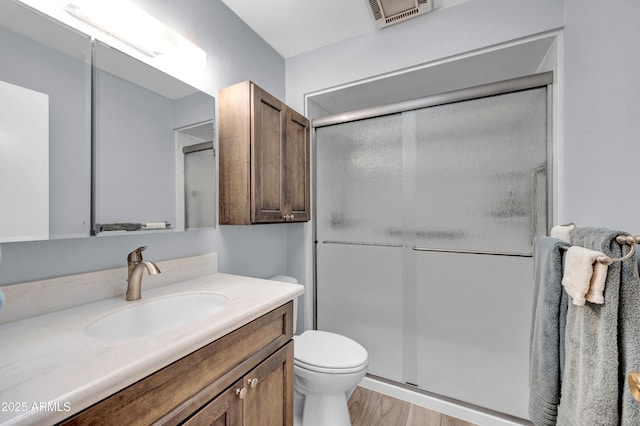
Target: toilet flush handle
x,y
253,382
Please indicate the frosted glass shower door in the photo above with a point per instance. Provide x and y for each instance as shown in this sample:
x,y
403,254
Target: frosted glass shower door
x,y
479,199
359,234
472,328
480,173
359,171
361,297
424,227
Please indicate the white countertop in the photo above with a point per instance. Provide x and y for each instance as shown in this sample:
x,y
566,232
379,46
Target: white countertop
x,y
50,369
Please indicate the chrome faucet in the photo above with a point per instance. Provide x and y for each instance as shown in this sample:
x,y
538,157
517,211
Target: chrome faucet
x,y
136,268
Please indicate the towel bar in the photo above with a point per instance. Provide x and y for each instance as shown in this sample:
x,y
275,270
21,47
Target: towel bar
x,y
621,239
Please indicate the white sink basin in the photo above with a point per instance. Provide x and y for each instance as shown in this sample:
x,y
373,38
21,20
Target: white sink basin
x,y
153,316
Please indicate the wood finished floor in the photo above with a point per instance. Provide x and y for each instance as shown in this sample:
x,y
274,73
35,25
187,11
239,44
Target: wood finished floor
x,y
368,408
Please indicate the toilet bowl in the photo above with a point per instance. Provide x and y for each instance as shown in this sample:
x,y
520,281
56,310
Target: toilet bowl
x,y
327,367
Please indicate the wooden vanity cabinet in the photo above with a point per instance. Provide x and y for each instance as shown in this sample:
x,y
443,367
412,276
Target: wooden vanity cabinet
x,y
225,410
264,158
256,399
243,378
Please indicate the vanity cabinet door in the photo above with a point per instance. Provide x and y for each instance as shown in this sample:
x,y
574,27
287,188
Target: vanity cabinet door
x,y
262,397
269,396
225,410
264,158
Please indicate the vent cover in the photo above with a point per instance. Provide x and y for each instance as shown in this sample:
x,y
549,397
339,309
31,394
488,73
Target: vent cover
x,y
388,12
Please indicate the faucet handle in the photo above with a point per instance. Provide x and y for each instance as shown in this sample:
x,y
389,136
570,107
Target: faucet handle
x,y
136,255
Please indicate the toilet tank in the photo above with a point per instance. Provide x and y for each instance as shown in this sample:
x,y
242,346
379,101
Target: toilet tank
x,y
292,280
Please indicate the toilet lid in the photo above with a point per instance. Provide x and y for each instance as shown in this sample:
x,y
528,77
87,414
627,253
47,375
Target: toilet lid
x,y
327,350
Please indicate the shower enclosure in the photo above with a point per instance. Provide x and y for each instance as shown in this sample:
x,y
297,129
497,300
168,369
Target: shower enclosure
x,y
425,216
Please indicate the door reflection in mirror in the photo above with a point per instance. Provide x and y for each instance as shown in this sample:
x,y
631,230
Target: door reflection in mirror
x,y
199,176
24,164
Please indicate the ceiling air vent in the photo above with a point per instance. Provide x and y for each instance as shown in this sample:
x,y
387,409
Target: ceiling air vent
x,y
388,12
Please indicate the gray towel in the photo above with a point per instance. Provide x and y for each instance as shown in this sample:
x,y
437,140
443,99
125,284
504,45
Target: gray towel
x,y
602,343
546,350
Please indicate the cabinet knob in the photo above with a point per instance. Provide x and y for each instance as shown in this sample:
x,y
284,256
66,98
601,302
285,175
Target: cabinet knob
x,y
253,382
241,393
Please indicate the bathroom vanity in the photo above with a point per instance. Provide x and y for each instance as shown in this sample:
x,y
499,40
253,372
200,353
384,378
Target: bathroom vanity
x,y
245,377
234,366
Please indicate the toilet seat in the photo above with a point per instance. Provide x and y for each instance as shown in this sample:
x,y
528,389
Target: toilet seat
x,y
327,352
318,369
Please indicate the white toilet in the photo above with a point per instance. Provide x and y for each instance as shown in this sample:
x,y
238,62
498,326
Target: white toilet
x,y
327,367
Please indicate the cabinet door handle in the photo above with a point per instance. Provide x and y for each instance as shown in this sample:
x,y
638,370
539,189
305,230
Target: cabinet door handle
x,y
253,382
241,393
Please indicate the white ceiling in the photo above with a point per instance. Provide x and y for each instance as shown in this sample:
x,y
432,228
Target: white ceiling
x,y
293,27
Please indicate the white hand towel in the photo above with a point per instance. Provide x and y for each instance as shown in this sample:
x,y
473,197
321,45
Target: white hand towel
x,y
581,271
596,285
561,232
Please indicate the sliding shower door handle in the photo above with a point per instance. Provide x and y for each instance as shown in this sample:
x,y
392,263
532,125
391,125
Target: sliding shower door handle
x,y
535,214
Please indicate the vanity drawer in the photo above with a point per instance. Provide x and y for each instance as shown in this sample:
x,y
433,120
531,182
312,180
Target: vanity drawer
x,y
173,393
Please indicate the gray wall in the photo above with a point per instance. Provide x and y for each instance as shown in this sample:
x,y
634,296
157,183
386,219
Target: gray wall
x,y
234,53
601,97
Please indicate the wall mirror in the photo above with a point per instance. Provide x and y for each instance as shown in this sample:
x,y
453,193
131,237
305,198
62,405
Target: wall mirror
x,y
154,168
45,127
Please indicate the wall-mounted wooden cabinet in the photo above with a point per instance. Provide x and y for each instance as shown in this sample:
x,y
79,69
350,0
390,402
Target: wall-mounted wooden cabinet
x,y
264,158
